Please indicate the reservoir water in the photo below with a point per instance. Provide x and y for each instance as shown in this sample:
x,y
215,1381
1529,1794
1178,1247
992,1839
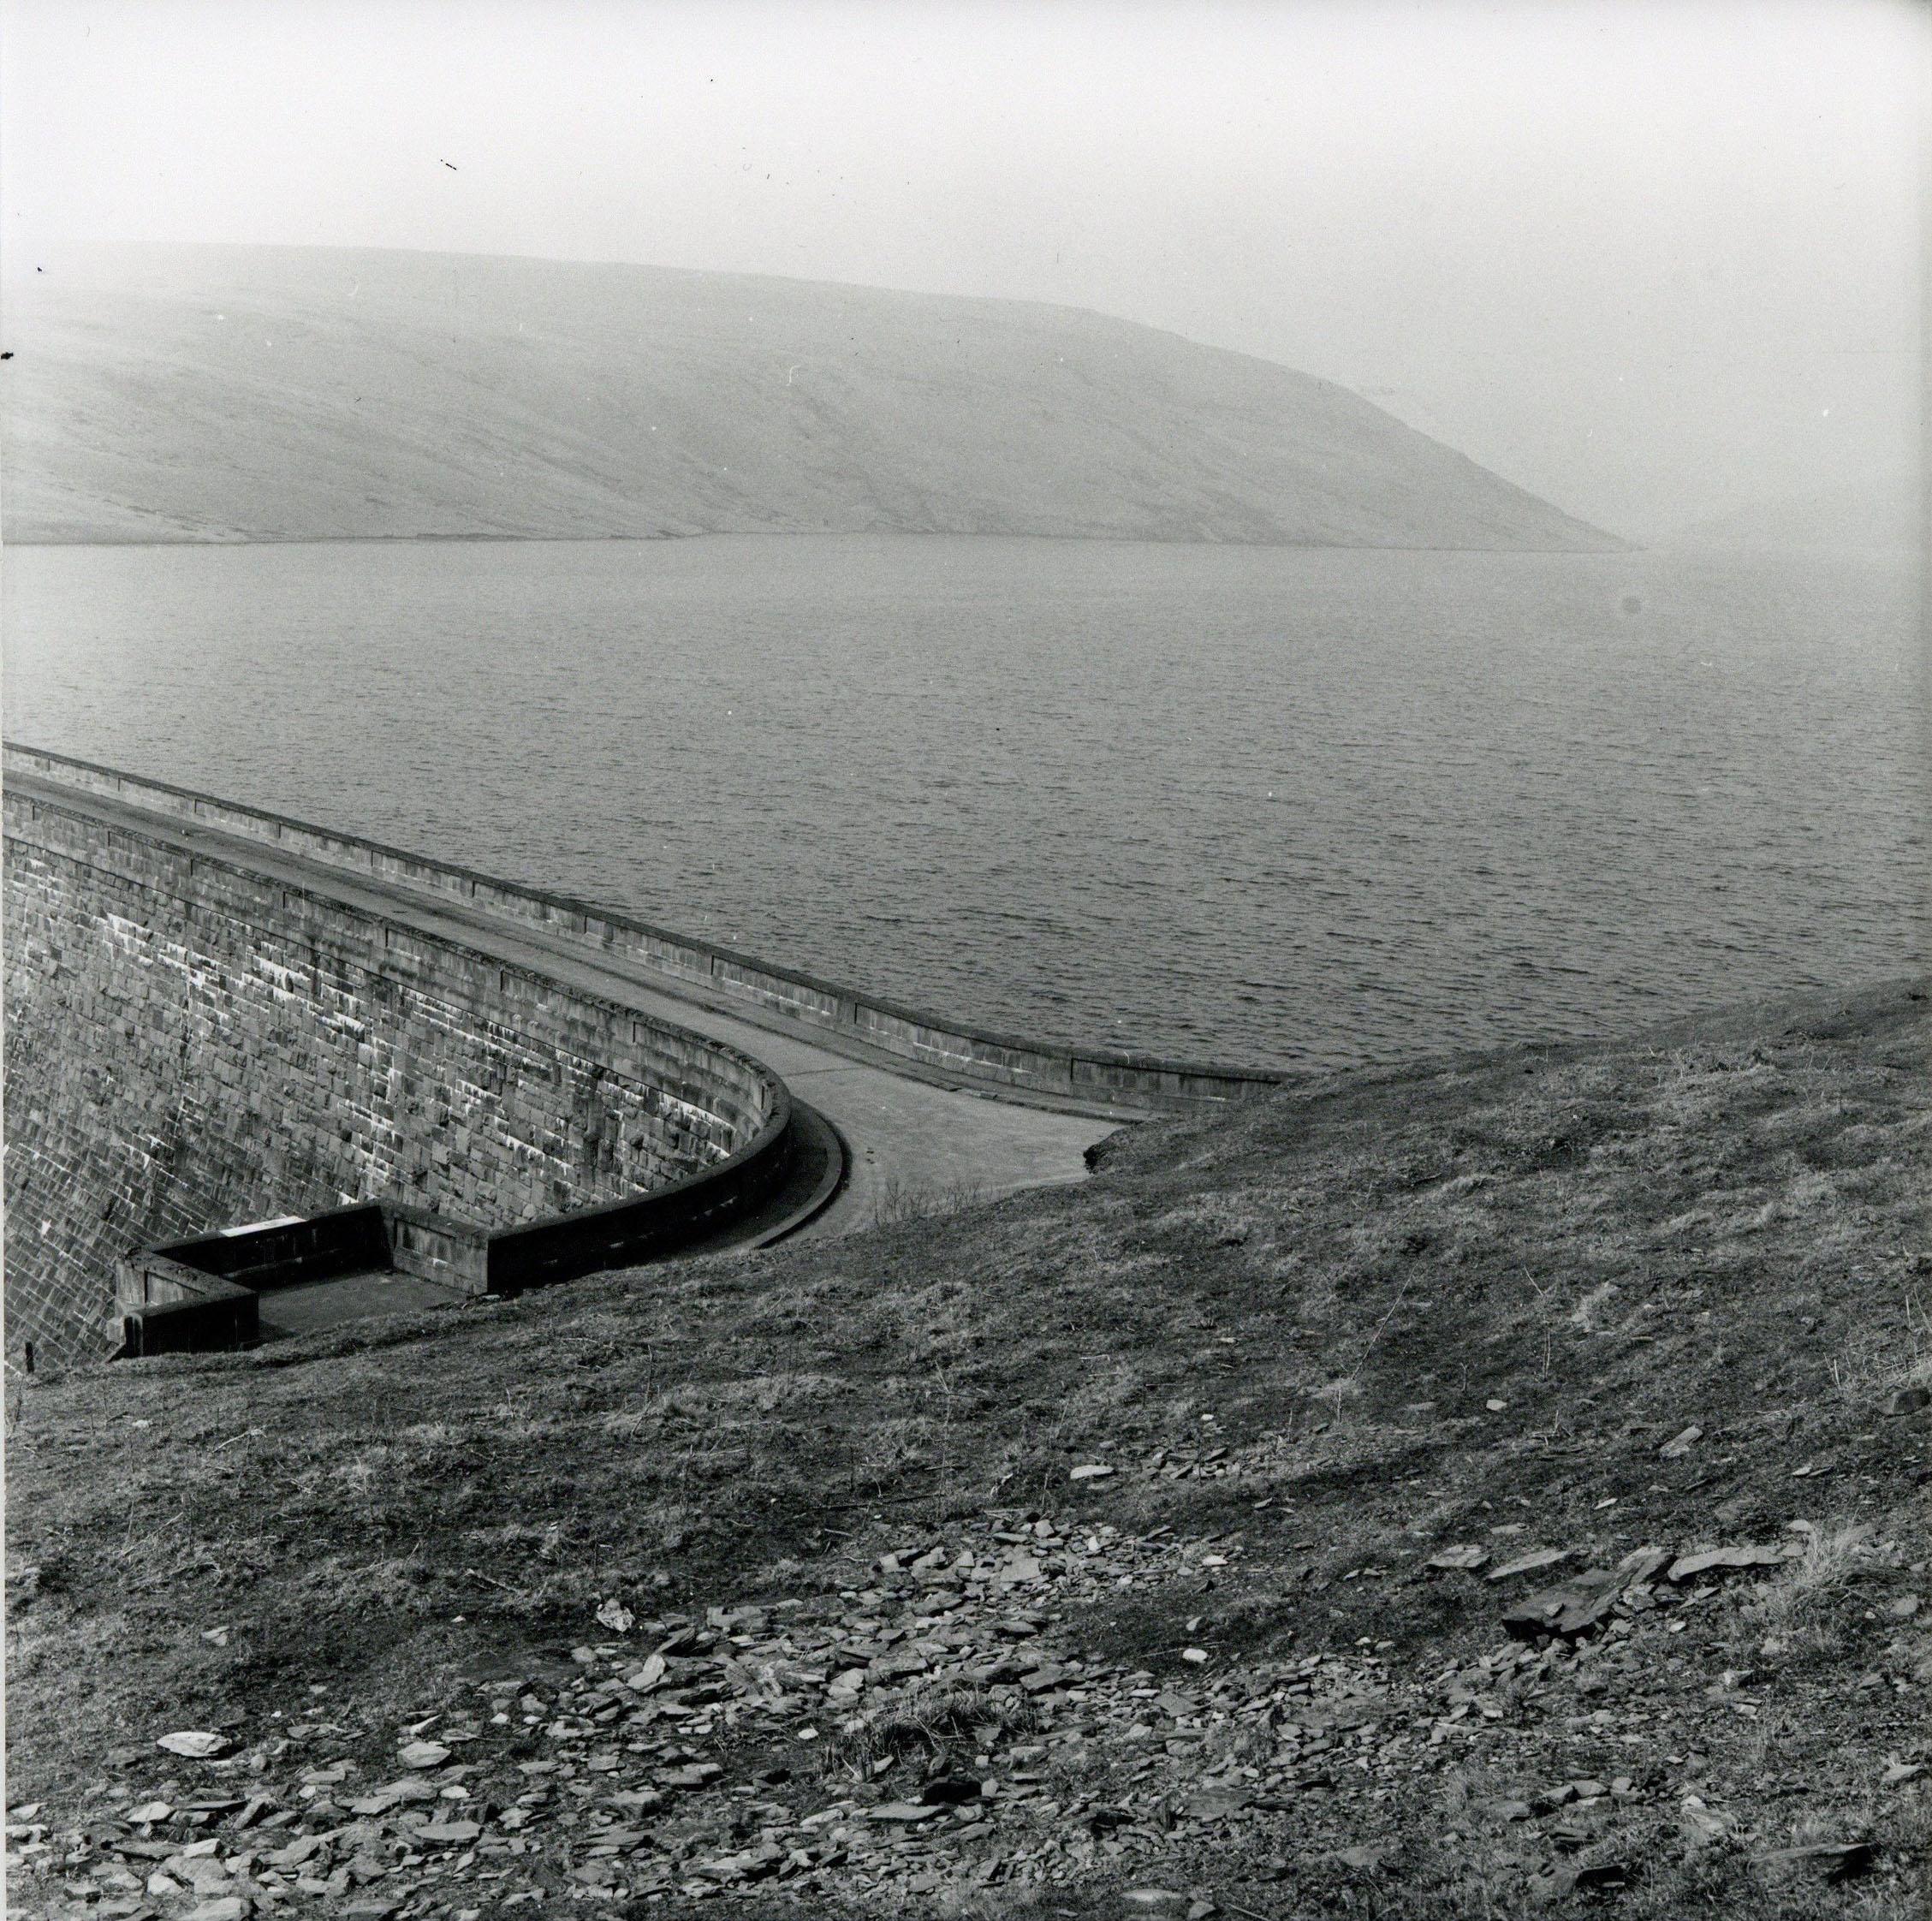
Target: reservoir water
x,y
1273,805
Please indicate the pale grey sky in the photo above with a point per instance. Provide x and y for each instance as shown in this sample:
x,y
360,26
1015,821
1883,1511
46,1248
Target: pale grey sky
x,y
1652,260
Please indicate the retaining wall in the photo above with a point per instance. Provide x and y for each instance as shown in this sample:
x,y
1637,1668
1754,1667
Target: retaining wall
x,y
721,976
190,1043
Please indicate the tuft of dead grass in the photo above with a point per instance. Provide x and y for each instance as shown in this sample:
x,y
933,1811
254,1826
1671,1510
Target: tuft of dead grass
x,y
897,1200
938,1730
1833,1558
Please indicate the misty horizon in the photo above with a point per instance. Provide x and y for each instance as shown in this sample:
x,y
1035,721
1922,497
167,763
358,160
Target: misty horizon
x,y
1651,264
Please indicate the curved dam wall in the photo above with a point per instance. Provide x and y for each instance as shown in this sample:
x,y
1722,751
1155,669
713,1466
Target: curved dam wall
x,y
190,1045
719,977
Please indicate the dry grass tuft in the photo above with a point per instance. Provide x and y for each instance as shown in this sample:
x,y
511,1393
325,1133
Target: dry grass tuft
x,y
938,1729
1833,1560
897,1200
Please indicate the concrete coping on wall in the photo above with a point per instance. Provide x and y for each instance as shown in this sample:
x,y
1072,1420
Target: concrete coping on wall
x,y
1104,1076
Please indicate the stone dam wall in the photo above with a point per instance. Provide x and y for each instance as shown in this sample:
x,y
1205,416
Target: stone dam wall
x,y
191,1045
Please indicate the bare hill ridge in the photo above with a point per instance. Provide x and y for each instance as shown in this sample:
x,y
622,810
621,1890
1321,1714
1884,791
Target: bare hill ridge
x,y
264,394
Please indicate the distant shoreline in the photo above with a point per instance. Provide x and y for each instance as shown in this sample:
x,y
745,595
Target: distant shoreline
x,y
1688,549
806,533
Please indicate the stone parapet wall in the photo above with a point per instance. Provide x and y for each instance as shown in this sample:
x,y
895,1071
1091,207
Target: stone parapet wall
x,y
717,976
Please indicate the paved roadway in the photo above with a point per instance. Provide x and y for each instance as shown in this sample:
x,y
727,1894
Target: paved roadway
x,y
907,1133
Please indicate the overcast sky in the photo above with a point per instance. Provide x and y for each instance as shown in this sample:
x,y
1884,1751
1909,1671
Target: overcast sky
x,y
1650,260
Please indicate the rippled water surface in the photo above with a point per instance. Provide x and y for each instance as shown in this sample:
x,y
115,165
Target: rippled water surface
x,y
1264,804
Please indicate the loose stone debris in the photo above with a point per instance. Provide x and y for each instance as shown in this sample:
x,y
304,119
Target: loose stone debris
x,y
1830,1860
1723,1560
937,1725
195,1746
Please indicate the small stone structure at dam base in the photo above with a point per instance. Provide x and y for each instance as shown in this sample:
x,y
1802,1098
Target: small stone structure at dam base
x,y
216,1014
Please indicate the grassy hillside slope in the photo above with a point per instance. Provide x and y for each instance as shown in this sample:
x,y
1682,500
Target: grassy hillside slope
x,y
789,1582
243,393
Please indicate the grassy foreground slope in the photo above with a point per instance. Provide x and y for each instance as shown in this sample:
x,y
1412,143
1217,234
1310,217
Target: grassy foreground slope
x,y
764,1584
284,393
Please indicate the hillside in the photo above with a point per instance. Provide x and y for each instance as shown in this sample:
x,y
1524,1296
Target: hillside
x,y
1884,515
1150,1538
272,394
